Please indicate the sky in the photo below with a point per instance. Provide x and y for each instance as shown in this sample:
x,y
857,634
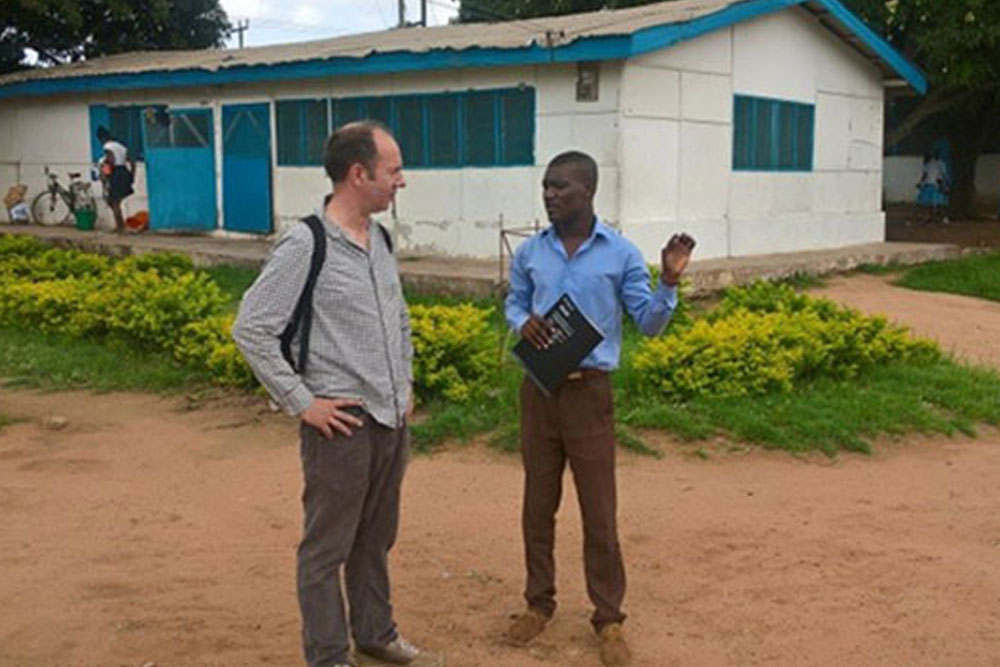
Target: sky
x,y
283,21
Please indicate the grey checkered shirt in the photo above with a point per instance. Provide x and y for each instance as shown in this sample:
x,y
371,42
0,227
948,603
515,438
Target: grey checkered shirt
x,y
359,344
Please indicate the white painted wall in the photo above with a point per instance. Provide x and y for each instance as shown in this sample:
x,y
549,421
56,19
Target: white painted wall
x,y
789,56
661,132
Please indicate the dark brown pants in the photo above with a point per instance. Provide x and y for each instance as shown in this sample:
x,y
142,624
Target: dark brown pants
x,y
351,505
576,424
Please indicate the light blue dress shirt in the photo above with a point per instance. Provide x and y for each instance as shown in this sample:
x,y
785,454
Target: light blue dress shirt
x,y
605,274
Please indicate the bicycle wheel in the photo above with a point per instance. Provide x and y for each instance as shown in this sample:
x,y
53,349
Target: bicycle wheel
x,y
49,208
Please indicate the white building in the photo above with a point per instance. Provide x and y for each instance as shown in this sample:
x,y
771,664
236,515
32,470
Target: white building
x,y
755,125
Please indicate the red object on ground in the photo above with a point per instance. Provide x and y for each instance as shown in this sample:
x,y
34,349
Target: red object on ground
x,y
138,222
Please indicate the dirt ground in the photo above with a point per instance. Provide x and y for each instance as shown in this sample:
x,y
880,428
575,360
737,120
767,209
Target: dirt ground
x,y
150,531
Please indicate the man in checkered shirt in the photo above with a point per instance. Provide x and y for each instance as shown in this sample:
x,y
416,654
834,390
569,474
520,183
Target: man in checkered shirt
x,y
353,400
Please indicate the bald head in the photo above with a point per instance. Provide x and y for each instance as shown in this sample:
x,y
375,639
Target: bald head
x,y
350,144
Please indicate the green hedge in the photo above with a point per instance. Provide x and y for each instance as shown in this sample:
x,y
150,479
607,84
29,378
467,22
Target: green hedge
x,y
766,338
159,301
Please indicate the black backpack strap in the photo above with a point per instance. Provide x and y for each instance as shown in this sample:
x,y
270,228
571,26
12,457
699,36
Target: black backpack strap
x,y
302,316
385,235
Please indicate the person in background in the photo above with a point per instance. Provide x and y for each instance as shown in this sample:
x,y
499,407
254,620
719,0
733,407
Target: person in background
x,y
117,174
932,188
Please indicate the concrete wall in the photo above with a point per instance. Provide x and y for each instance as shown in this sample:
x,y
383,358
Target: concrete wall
x,y
789,56
661,131
677,142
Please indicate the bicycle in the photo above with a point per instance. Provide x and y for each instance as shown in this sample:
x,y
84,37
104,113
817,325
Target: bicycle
x,y
56,205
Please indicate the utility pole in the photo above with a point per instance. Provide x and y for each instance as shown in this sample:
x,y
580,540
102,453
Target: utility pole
x,y
402,13
242,26
423,13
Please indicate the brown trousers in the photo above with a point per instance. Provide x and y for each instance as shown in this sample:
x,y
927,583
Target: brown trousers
x,y
576,424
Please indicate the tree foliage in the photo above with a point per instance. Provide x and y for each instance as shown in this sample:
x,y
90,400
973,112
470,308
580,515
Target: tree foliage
x,y
957,44
62,31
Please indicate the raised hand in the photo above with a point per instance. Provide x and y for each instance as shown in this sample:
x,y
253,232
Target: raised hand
x,y
674,258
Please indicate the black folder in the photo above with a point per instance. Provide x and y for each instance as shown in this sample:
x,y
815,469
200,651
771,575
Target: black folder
x,y
575,337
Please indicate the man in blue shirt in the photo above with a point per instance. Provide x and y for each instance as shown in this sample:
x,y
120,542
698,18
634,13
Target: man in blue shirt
x,y
604,273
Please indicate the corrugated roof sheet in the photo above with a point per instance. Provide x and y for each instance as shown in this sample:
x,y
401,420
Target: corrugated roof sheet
x,y
545,32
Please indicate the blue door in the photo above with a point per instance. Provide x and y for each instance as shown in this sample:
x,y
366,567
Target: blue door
x,y
180,168
246,168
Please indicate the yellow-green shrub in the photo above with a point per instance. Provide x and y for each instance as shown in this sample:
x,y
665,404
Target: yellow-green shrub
x,y
208,343
153,309
767,338
20,246
453,351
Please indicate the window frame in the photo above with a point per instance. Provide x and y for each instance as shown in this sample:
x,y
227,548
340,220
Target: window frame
x,y
747,152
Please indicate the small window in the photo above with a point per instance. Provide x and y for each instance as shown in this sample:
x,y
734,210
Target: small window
x,y
302,126
588,80
772,135
180,128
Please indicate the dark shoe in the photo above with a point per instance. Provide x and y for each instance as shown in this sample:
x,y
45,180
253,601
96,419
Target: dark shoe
x,y
397,652
527,626
614,650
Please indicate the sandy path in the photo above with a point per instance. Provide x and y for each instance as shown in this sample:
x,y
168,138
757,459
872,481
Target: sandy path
x,y
147,532
966,326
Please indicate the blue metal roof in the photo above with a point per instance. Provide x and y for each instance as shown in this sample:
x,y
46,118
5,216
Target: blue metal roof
x,y
583,48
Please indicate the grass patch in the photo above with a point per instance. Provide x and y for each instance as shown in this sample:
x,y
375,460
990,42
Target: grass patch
x,y
880,269
825,415
233,280
58,362
975,275
803,281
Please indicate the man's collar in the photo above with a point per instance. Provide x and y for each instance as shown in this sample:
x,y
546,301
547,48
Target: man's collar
x,y
600,229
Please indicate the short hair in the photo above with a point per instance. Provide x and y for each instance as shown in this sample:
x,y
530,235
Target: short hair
x,y
350,144
581,163
103,134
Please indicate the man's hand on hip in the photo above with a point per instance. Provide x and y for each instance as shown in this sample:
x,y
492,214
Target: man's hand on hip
x,y
328,415
674,258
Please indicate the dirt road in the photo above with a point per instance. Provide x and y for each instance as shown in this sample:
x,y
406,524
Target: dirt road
x,y
146,532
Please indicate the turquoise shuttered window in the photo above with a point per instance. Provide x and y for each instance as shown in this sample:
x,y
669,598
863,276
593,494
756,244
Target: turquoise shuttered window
x,y
443,131
488,128
303,126
479,125
518,127
772,135
409,129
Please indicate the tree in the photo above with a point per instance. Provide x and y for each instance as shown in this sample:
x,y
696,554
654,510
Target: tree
x,y
957,43
63,31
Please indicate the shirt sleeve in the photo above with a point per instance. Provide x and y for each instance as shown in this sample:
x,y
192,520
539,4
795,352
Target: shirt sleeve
x,y
265,311
517,306
650,310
